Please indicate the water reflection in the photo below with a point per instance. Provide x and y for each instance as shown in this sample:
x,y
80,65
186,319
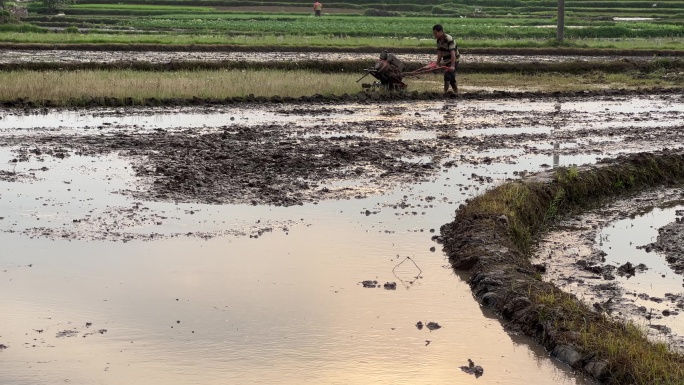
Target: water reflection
x,y
536,352
285,307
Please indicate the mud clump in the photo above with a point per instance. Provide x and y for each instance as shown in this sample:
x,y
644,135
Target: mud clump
x,y
471,368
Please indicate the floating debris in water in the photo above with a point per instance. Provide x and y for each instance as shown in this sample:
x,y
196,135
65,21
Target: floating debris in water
x,y
433,326
472,368
390,286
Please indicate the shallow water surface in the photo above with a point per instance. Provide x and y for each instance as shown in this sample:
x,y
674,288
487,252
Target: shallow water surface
x,y
102,288
621,242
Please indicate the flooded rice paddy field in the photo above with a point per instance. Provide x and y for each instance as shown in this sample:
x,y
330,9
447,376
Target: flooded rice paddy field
x,y
230,244
70,56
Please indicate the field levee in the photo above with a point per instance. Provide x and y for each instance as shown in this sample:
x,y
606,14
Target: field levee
x,y
549,51
491,238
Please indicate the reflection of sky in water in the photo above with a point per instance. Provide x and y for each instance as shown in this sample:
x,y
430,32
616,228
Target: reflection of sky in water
x,y
620,241
283,308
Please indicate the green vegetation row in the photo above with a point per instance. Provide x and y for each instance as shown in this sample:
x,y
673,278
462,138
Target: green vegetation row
x,y
483,4
26,36
403,9
479,8
394,27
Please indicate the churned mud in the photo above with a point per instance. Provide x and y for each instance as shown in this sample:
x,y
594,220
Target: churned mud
x,y
321,152
308,153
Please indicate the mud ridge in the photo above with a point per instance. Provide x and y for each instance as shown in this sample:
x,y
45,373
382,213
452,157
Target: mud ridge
x,y
407,50
326,66
493,245
363,96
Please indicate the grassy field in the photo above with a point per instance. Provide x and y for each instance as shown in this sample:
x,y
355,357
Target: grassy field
x,y
274,41
215,22
59,86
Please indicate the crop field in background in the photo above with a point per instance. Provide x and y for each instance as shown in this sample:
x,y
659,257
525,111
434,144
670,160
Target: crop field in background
x,y
394,23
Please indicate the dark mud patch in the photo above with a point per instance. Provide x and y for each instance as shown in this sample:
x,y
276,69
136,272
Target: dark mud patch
x,y
268,167
258,165
367,97
11,176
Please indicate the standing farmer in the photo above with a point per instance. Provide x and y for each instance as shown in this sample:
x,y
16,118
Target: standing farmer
x,y
447,50
317,8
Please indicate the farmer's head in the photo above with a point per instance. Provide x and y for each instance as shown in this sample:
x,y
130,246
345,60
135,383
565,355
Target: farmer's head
x,y
438,31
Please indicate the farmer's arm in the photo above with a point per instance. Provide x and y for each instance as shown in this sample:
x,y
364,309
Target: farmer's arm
x,y
439,57
453,60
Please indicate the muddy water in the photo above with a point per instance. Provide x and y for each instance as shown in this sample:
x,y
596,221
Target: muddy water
x,y
588,255
104,288
67,56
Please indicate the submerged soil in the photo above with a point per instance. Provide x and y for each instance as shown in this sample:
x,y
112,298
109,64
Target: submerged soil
x,y
325,150
290,164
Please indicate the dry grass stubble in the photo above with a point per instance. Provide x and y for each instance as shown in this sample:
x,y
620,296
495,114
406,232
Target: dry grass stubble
x,y
63,85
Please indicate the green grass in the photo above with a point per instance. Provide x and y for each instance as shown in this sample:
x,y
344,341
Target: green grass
x,y
269,40
204,20
623,344
137,7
